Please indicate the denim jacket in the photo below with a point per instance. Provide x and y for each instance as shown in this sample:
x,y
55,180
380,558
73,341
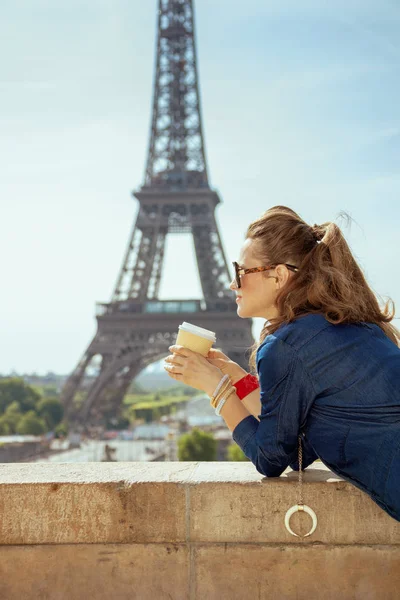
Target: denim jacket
x,y
338,386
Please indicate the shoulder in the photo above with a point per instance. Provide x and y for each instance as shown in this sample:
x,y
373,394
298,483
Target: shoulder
x,y
280,351
290,337
313,335
274,359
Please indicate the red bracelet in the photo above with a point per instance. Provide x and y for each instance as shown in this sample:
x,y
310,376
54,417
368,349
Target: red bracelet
x,y
247,384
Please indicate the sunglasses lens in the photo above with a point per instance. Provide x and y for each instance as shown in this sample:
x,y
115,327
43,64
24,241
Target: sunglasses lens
x,y
237,277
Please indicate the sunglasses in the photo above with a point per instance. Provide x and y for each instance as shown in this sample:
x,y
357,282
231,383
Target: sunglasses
x,y
239,271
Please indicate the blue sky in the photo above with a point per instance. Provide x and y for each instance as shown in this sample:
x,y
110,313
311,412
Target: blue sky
x,y
300,106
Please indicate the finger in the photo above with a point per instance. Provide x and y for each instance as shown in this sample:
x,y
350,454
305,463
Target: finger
x,y
214,361
215,353
176,369
173,360
181,350
175,376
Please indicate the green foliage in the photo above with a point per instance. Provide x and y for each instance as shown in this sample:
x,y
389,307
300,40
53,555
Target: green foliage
x,y
50,391
45,390
136,388
197,445
4,427
137,398
51,410
152,411
24,410
31,424
149,402
13,408
61,430
190,391
235,453
12,390
179,390
11,417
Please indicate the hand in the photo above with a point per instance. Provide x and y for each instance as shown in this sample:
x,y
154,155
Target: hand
x,y
193,369
226,365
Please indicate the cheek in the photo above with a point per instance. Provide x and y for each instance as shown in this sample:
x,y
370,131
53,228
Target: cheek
x,y
257,293
254,287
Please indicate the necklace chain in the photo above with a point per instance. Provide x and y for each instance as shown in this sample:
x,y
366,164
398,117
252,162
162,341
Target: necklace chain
x,y
300,472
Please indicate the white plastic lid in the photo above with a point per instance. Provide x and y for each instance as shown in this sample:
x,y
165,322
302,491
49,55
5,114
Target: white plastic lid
x,y
206,333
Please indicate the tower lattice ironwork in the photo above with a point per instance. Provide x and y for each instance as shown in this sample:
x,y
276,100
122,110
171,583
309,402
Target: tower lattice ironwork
x,y
136,328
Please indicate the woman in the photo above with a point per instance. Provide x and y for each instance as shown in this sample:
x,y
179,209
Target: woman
x,y
328,360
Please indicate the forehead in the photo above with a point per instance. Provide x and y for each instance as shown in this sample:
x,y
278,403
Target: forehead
x,y
248,253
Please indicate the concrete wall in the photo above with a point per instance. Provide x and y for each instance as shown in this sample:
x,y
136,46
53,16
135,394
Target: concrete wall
x,y
18,451
210,530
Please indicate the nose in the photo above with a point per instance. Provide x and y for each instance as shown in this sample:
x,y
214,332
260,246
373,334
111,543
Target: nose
x,y
233,286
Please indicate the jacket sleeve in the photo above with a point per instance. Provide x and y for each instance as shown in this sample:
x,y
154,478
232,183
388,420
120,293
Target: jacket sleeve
x,y
286,394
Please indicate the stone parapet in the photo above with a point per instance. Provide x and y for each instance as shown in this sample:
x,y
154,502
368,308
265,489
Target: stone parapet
x,y
189,530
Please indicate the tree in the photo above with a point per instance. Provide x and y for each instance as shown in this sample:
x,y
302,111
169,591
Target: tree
x,y
31,424
51,410
12,417
197,445
235,453
61,430
4,427
12,390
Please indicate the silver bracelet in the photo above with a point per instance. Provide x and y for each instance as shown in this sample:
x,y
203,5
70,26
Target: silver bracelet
x,y
222,401
224,378
220,405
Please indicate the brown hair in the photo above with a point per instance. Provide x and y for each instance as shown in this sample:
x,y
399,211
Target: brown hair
x,y
329,280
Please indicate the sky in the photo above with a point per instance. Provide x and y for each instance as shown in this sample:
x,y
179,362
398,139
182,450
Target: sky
x,y
300,105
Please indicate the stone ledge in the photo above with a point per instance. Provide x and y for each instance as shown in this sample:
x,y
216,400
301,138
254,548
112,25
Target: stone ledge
x,y
181,502
214,572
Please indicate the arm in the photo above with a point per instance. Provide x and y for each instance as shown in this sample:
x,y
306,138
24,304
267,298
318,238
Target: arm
x,y
287,394
253,404
249,405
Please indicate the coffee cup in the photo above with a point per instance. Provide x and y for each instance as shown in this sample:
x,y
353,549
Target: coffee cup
x,y
195,338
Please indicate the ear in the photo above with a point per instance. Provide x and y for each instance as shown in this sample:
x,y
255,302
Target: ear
x,y
282,276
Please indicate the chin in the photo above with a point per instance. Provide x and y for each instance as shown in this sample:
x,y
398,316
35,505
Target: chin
x,y
248,314
242,313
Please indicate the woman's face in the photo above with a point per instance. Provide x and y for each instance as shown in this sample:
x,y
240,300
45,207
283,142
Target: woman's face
x,y
258,291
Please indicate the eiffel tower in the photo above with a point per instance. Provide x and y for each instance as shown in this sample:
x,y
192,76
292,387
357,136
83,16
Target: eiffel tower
x,y
135,328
